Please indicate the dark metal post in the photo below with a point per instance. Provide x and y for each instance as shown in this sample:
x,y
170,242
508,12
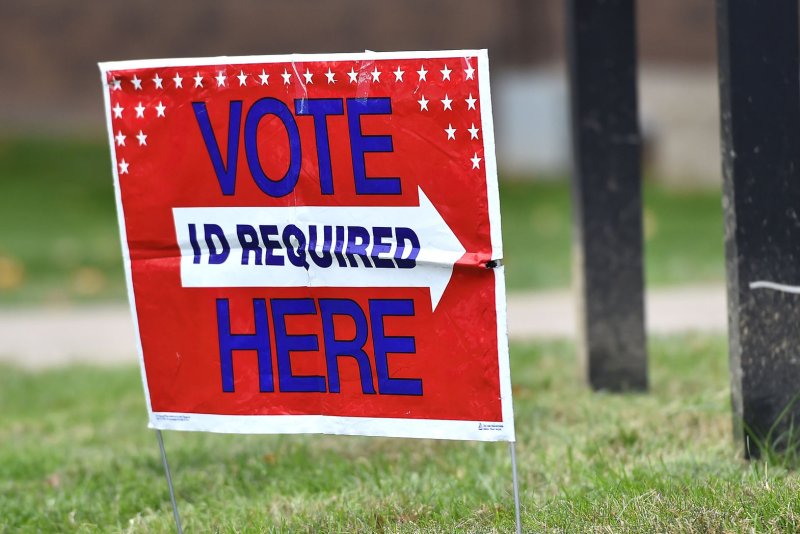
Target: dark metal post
x,y
607,200
760,110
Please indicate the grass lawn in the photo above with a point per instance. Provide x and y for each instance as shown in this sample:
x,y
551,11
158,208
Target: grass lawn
x,y
58,230
75,456
59,238
683,233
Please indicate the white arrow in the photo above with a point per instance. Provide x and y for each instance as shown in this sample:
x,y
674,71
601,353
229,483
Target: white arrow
x,y
439,248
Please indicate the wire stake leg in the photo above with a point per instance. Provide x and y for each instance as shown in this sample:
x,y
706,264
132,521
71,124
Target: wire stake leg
x,y
513,449
172,489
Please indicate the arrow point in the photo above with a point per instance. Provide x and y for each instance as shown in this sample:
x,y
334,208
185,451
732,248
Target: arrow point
x,y
437,291
442,246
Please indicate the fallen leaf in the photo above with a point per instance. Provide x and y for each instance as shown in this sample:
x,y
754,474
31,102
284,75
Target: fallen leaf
x,y
12,273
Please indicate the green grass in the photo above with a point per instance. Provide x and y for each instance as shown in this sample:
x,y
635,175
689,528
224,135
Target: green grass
x,y
58,231
683,233
59,239
75,456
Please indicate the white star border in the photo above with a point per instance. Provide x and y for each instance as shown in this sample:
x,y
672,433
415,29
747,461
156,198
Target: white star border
x,y
463,71
253,74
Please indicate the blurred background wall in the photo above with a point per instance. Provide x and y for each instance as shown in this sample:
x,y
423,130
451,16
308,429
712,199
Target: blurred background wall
x,y
49,81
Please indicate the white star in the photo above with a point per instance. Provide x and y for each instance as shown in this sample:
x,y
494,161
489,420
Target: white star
x,y
116,84
178,80
139,111
123,167
398,74
422,73
376,75
469,71
117,111
220,79
446,101
142,137
353,75
286,77
307,75
157,80
198,80
137,83
470,102
473,132
160,109
264,77
120,139
451,132
331,76
423,104
476,161
242,78
446,73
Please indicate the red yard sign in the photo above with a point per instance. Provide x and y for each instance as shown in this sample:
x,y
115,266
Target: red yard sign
x,y
312,243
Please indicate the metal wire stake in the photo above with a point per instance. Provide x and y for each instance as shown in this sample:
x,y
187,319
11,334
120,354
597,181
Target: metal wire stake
x,y
172,490
512,447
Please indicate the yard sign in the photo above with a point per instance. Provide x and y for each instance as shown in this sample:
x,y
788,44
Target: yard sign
x,y
311,243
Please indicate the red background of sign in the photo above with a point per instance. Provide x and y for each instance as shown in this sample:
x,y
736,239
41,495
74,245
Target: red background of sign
x,y
456,358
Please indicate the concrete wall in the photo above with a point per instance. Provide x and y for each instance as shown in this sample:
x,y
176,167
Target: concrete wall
x,y
679,109
680,118
49,80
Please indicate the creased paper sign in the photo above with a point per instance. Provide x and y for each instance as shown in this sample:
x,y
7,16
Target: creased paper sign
x,y
312,242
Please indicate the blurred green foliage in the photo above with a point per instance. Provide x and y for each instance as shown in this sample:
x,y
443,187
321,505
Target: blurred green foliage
x,y
59,239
